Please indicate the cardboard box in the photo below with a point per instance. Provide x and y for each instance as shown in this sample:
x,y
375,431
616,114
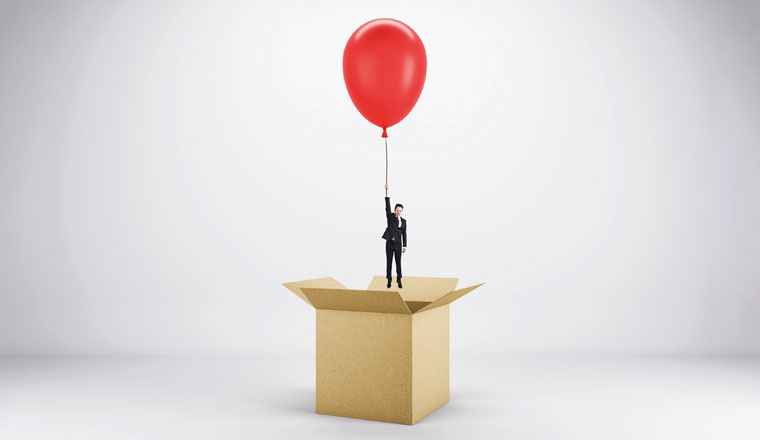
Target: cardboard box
x,y
382,354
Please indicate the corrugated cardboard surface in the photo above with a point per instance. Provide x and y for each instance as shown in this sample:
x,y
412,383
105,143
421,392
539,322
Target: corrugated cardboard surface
x,y
416,288
449,298
416,305
382,354
325,283
381,301
430,361
364,365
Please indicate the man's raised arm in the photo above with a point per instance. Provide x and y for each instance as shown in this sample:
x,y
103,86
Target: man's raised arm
x,y
387,202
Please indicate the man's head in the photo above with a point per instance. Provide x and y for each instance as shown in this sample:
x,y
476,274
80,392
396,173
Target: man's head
x,y
398,209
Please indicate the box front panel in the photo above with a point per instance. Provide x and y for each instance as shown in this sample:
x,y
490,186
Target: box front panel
x,y
430,361
364,365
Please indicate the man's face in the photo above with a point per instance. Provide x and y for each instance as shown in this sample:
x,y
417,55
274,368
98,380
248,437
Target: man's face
x,y
398,211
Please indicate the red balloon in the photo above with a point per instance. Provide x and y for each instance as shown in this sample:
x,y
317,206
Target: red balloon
x,y
384,66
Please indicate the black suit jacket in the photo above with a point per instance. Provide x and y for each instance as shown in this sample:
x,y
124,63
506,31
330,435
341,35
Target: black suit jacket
x,y
393,233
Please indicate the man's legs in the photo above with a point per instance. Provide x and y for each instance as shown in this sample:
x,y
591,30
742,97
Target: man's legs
x,y
388,260
397,251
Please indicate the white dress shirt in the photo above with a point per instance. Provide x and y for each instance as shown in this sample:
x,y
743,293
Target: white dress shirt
x,y
399,226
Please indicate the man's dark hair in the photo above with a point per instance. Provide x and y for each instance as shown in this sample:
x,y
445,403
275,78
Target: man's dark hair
x,y
398,205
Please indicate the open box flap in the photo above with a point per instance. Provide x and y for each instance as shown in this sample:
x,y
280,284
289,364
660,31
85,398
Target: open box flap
x,y
449,297
325,283
426,289
379,301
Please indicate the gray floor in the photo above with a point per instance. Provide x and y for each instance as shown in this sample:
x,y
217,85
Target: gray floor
x,y
491,397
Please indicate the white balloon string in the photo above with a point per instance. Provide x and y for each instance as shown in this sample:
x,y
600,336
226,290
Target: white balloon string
x,y
386,166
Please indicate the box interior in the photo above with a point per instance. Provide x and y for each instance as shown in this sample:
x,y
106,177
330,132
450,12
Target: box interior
x,y
419,294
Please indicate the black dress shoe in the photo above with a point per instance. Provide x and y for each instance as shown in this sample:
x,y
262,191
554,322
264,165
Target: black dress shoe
x,y
389,283
399,284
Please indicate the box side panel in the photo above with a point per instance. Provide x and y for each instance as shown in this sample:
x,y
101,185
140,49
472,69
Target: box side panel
x,y
430,361
364,365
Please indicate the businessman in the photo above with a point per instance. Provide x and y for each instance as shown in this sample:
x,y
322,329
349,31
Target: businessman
x,y
395,238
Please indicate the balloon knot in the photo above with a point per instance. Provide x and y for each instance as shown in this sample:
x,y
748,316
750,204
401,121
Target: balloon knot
x,y
385,133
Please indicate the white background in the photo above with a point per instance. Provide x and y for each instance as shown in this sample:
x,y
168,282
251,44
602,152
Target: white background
x,y
165,166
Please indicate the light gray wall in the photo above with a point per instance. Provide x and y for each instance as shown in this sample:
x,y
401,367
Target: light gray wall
x,y
164,166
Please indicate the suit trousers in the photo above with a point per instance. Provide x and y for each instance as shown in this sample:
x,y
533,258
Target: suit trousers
x,y
392,249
